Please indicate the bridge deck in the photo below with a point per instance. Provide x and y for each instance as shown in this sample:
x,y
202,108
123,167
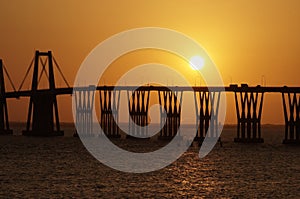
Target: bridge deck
x,y
232,88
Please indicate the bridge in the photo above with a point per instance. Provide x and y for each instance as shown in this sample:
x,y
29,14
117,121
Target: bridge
x,y
43,115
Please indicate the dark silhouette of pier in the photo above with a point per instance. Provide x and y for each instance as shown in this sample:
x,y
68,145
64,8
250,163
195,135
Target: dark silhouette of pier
x,y
43,115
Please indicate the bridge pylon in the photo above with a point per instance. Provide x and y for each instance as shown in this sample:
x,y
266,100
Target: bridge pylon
x,y
170,110
291,110
138,104
43,119
248,110
207,110
109,115
4,123
84,100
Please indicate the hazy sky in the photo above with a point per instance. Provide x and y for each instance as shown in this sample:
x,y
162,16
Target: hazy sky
x,y
246,39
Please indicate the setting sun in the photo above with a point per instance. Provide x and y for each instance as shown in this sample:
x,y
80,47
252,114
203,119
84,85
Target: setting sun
x,y
150,99
197,62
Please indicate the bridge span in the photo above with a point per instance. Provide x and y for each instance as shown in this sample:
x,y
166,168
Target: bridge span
x,y
43,116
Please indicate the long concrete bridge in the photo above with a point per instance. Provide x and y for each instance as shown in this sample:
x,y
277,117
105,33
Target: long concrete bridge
x,y
43,115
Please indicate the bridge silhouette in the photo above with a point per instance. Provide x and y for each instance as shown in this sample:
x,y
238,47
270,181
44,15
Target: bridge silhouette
x,y
43,115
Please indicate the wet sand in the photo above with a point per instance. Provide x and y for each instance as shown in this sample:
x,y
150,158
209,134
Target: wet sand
x,y
61,167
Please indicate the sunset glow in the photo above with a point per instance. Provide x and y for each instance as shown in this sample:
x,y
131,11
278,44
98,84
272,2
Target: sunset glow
x,y
150,99
197,62
240,37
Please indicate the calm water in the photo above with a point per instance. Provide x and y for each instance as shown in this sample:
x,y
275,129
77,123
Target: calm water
x,y
61,167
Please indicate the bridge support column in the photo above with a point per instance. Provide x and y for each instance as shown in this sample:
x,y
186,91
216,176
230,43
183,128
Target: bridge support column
x,y
171,113
249,110
138,104
109,105
43,109
4,123
207,109
291,110
84,100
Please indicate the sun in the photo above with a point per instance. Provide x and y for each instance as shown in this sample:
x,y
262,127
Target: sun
x,y
197,62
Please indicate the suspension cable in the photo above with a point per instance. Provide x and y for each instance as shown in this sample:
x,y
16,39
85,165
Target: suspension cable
x,y
27,72
10,80
62,75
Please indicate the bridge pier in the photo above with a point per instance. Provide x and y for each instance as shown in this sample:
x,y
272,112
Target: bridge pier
x,y
84,100
207,109
4,123
43,109
291,110
109,105
138,104
249,110
171,113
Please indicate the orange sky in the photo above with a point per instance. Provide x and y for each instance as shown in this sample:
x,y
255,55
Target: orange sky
x,y
246,39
